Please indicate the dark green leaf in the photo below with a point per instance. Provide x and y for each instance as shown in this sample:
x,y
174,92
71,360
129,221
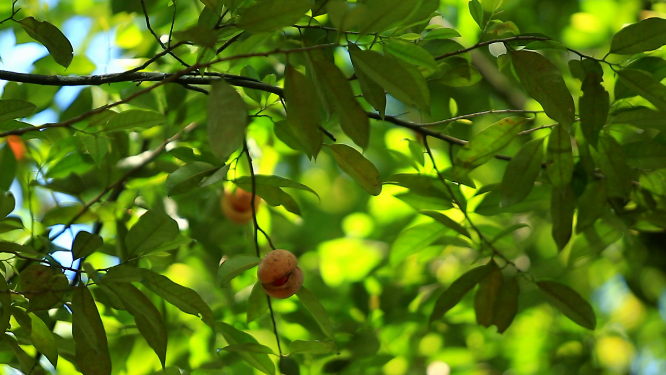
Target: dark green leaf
x,y
651,64
506,231
188,177
454,293
441,33
41,336
594,106
415,239
5,302
276,181
591,204
559,157
234,266
233,336
249,347
411,53
152,229
645,155
641,117
304,116
14,108
645,85
311,347
257,304
317,310
372,91
613,164
521,172
486,296
227,119
36,279
8,162
562,206
569,302
544,82
457,72
445,220
85,244
51,37
267,15
357,167
380,15
421,184
134,119
7,203
647,35
507,305
26,362
420,202
92,350
476,10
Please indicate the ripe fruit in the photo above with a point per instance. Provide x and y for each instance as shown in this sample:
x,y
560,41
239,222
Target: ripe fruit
x,y
238,206
16,144
279,275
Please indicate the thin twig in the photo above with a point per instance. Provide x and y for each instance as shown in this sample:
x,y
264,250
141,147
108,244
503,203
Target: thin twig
x,y
145,13
471,115
229,42
14,12
488,42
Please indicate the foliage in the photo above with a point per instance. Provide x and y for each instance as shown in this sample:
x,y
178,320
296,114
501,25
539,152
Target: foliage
x,y
439,167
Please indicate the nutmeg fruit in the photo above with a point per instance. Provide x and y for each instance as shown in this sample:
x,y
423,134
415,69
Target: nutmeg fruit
x,y
279,274
237,206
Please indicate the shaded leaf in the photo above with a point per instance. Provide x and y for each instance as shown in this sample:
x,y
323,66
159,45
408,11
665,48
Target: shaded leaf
x,y
421,184
569,302
40,335
454,293
51,37
543,81
562,206
304,116
507,305
92,350
559,157
645,155
14,108
134,119
372,91
415,239
245,182
25,361
188,177
317,310
312,347
227,119
506,231
357,167
5,301
7,203
641,117
249,347
233,336
234,266
257,303
8,162
593,240
267,15
645,85
380,15
445,220
151,230
43,285
591,204
521,172
613,164
594,106
651,64
85,244
646,35
487,294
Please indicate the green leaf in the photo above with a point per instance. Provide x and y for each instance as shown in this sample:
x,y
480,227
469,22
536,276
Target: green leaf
x,y
233,336
508,230
36,279
454,293
646,155
543,82
641,117
304,116
41,336
134,119
234,266
559,157
591,204
311,347
353,119
457,72
97,147
85,244
14,108
651,64
26,362
51,37
8,162
645,85
227,119
380,15
188,177
5,302
7,203
186,299
417,151
268,15
217,176
421,184
562,206
317,310
390,75
249,347
373,93
487,295
419,202
569,302
274,196
476,10
613,164
446,221
411,53
413,240
441,33
521,172
152,229
148,319
647,35
488,142
357,167
92,350
593,108
507,305
593,240
257,304
245,182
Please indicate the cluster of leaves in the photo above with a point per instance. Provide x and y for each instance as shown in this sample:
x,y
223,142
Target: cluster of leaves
x,y
140,162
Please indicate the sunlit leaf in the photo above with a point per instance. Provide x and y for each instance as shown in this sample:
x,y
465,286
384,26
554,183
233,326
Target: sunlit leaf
x,y
487,295
40,335
26,362
249,347
357,167
646,35
569,302
234,266
276,181
152,229
227,119
85,244
318,312
304,116
454,293
507,231
543,81
134,119
188,177
92,350
445,220
233,336
559,157
593,240
267,15
476,10
51,37
411,53
415,239
441,33
257,304
521,172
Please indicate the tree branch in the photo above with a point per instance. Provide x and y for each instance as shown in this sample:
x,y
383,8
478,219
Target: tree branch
x,y
488,42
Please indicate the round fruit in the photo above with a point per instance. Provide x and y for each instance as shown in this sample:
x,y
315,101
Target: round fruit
x,y
279,274
238,206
